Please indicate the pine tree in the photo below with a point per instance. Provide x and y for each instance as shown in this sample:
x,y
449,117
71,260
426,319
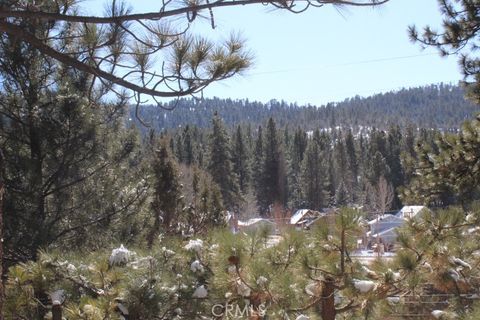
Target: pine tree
x,y
352,161
220,164
167,194
241,160
70,162
344,177
257,164
270,190
296,156
187,143
314,177
447,172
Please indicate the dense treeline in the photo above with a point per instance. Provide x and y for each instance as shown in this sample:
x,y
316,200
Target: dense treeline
x,y
296,168
435,106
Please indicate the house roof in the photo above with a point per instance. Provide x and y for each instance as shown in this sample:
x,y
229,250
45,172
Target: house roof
x,y
298,216
253,221
385,218
409,211
384,232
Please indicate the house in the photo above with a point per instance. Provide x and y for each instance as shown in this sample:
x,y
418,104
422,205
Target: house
x,y
256,223
305,217
384,227
384,222
409,212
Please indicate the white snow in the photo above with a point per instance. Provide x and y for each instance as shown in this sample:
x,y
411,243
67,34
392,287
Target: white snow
x,y
200,293
454,274
408,212
470,217
298,216
460,262
120,256
364,286
232,269
142,263
243,289
71,268
57,297
437,314
395,275
393,300
197,266
302,317
194,245
311,289
253,221
261,281
167,252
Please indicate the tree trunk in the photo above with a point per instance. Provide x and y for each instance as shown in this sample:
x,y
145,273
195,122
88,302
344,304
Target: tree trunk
x,y
57,312
2,191
328,311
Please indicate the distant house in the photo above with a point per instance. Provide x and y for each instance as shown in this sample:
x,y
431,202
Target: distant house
x,y
256,223
305,217
408,212
384,227
384,222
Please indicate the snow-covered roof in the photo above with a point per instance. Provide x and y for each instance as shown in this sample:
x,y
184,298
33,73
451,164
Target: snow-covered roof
x,y
298,216
384,232
385,218
253,221
409,211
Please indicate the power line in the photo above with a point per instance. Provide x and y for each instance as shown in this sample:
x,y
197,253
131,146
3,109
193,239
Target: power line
x,y
346,64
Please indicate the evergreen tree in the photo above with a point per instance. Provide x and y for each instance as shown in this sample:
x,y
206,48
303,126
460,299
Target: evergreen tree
x,y
352,161
72,170
447,172
241,160
257,164
344,177
220,164
314,177
270,190
167,194
187,143
393,158
342,195
296,156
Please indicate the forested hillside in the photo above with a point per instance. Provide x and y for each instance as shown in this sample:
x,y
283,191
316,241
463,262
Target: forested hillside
x,y
439,106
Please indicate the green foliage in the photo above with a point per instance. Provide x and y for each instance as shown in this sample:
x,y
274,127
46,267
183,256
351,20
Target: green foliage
x,y
167,197
448,173
220,164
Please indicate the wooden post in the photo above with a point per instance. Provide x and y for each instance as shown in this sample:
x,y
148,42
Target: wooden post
x,y
328,311
57,298
57,312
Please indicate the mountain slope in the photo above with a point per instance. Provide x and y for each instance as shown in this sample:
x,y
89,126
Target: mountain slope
x,y
435,106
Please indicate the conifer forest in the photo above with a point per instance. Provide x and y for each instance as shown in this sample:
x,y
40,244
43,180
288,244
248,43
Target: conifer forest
x,y
125,194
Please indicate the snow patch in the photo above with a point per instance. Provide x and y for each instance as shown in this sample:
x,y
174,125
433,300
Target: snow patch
x,y
200,293
197,266
364,286
120,256
194,245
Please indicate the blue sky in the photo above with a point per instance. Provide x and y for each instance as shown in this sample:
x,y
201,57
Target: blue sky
x,y
328,54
